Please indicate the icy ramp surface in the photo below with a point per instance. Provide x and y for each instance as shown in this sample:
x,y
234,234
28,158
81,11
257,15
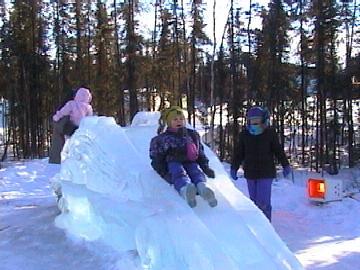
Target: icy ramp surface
x,y
111,194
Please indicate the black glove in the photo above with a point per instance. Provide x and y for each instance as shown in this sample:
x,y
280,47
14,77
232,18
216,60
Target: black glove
x,y
209,172
233,174
167,177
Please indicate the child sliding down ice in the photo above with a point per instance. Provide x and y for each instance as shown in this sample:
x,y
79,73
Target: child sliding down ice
x,y
178,156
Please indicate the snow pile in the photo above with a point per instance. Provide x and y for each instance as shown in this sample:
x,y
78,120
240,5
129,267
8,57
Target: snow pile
x,y
111,194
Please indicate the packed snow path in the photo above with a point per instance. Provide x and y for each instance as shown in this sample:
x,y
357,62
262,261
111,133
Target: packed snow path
x,y
112,194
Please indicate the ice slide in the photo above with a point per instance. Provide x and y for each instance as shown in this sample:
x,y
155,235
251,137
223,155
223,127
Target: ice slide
x,y
111,194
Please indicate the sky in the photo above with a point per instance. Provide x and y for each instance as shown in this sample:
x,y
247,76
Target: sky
x,y
222,10
146,21
221,14
119,214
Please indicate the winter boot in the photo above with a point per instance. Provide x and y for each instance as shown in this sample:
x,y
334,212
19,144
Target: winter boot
x,y
63,205
207,194
56,186
188,192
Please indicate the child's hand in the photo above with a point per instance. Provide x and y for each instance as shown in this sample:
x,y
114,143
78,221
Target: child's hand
x,y
233,174
55,118
209,172
287,170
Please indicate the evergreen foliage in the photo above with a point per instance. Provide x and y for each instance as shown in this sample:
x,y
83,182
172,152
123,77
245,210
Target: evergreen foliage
x,y
48,48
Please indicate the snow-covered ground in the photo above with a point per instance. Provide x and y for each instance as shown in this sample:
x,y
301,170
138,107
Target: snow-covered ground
x,y
321,236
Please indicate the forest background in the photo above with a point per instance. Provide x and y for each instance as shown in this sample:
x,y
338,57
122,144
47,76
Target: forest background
x,y
302,63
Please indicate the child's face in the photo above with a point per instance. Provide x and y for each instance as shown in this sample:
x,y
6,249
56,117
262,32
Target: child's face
x,y
177,122
256,126
256,121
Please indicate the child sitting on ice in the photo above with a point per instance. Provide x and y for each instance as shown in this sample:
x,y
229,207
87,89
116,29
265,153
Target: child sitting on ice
x,y
177,155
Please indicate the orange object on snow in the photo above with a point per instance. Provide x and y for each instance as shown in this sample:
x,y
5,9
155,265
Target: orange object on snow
x,y
316,188
325,190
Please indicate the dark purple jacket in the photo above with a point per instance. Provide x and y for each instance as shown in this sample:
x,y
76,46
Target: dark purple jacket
x,y
257,154
172,146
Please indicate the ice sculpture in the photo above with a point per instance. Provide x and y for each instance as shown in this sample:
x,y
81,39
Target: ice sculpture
x,y
111,194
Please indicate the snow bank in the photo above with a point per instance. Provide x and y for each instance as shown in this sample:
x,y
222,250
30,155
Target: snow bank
x,y
111,194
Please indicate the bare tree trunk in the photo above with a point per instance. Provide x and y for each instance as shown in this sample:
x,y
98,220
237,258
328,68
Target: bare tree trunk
x,y
79,56
234,81
303,87
212,83
131,50
349,111
154,36
185,53
193,81
221,101
248,27
89,41
177,91
121,111
320,67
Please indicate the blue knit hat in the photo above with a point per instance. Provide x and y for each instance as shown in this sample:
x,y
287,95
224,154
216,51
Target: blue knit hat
x,y
256,112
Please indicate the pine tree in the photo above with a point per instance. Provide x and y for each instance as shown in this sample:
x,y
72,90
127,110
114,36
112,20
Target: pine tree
x,y
326,25
132,44
104,95
198,38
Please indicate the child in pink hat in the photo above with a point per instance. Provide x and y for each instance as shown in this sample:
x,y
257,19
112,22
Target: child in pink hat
x,y
77,108
67,120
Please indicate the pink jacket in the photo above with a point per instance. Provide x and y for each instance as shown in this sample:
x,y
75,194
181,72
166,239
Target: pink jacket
x,y
77,108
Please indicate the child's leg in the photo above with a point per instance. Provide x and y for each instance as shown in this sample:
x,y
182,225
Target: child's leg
x,y
70,128
197,176
59,125
178,174
260,194
57,143
195,173
252,189
182,182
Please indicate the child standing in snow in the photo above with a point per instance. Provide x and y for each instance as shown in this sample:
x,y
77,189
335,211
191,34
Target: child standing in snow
x,y
67,120
177,155
257,146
